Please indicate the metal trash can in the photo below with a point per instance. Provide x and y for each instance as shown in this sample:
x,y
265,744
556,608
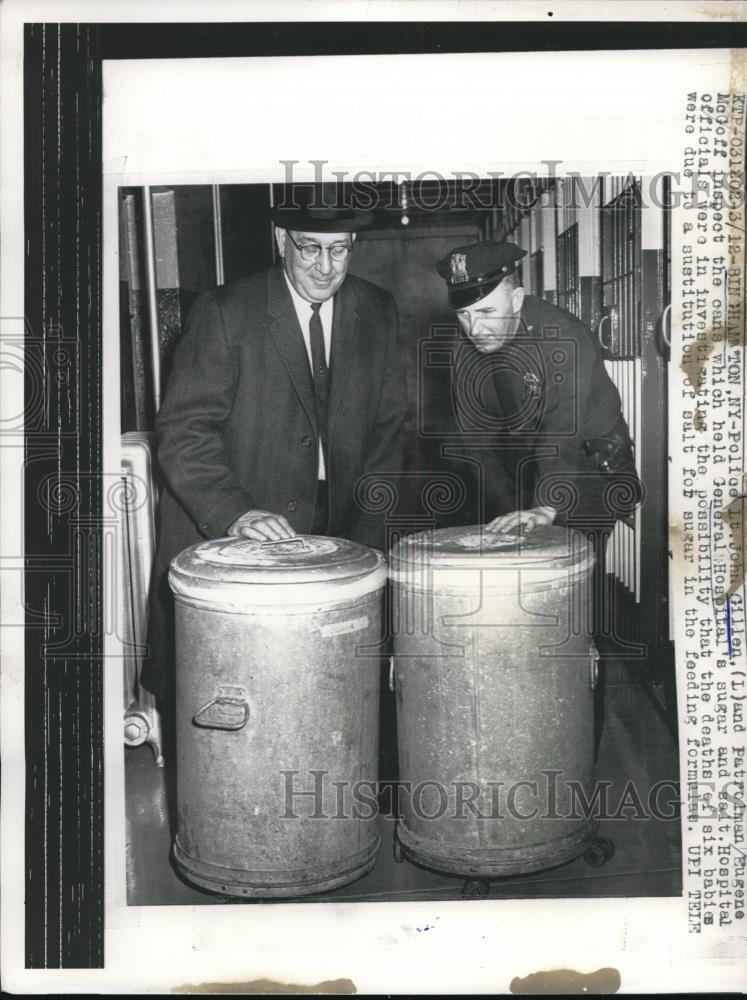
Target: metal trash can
x,y
494,672
277,707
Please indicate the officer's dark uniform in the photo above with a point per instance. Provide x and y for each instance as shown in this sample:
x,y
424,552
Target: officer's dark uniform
x,y
562,440
549,409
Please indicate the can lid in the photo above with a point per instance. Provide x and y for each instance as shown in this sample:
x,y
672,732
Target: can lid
x,y
307,569
547,552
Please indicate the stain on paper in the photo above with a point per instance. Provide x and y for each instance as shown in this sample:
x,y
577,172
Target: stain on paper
x,y
565,981
269,986
733,517
738,67
693,363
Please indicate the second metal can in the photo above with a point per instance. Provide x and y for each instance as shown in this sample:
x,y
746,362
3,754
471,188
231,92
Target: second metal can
x,y
494,673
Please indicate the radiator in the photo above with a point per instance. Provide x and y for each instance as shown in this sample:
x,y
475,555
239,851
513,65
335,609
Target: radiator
x,y
142,720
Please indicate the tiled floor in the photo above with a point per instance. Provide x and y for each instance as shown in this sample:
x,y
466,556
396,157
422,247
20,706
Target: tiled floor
x,y
636,747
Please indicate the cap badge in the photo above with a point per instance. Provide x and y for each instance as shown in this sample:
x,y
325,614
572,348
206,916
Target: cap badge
x,y
459,268
531,387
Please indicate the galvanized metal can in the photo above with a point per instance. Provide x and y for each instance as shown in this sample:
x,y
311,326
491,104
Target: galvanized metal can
x,y
278,667
494,672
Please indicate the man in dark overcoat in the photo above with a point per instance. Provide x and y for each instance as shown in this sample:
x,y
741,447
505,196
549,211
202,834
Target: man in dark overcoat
x,y
286,401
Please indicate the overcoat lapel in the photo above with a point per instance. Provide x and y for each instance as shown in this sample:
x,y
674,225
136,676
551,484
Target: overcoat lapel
x,y
286,333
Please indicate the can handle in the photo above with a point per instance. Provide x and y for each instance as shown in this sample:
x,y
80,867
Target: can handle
x,y
283,541
227,710
593,666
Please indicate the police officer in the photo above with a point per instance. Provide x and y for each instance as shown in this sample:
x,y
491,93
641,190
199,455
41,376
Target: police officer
x,y
534,378
563,453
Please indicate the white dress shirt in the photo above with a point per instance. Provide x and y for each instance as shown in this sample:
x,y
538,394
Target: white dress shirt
x,y
304,313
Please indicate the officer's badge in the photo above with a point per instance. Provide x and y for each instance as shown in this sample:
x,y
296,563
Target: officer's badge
x,y
530,388
459,268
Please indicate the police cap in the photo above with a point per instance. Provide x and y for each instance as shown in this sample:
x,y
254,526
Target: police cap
x,y
471,272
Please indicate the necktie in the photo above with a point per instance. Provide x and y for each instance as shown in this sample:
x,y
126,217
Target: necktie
x,y
319,370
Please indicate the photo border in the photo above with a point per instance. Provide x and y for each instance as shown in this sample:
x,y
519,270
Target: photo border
x,y
64,663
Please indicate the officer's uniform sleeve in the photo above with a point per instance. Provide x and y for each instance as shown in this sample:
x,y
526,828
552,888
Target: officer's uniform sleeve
x,y
579,395
197,402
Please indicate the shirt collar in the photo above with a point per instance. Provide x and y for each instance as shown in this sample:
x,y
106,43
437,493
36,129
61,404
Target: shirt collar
x,y
302,305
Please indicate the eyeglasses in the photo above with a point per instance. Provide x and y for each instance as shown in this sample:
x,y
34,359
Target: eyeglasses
x,y
311,251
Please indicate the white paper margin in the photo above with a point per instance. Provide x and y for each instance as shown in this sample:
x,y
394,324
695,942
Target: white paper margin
x,y
622,112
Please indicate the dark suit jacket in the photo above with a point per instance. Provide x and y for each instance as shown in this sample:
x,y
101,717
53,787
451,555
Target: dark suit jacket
x,y
237,429
546,393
